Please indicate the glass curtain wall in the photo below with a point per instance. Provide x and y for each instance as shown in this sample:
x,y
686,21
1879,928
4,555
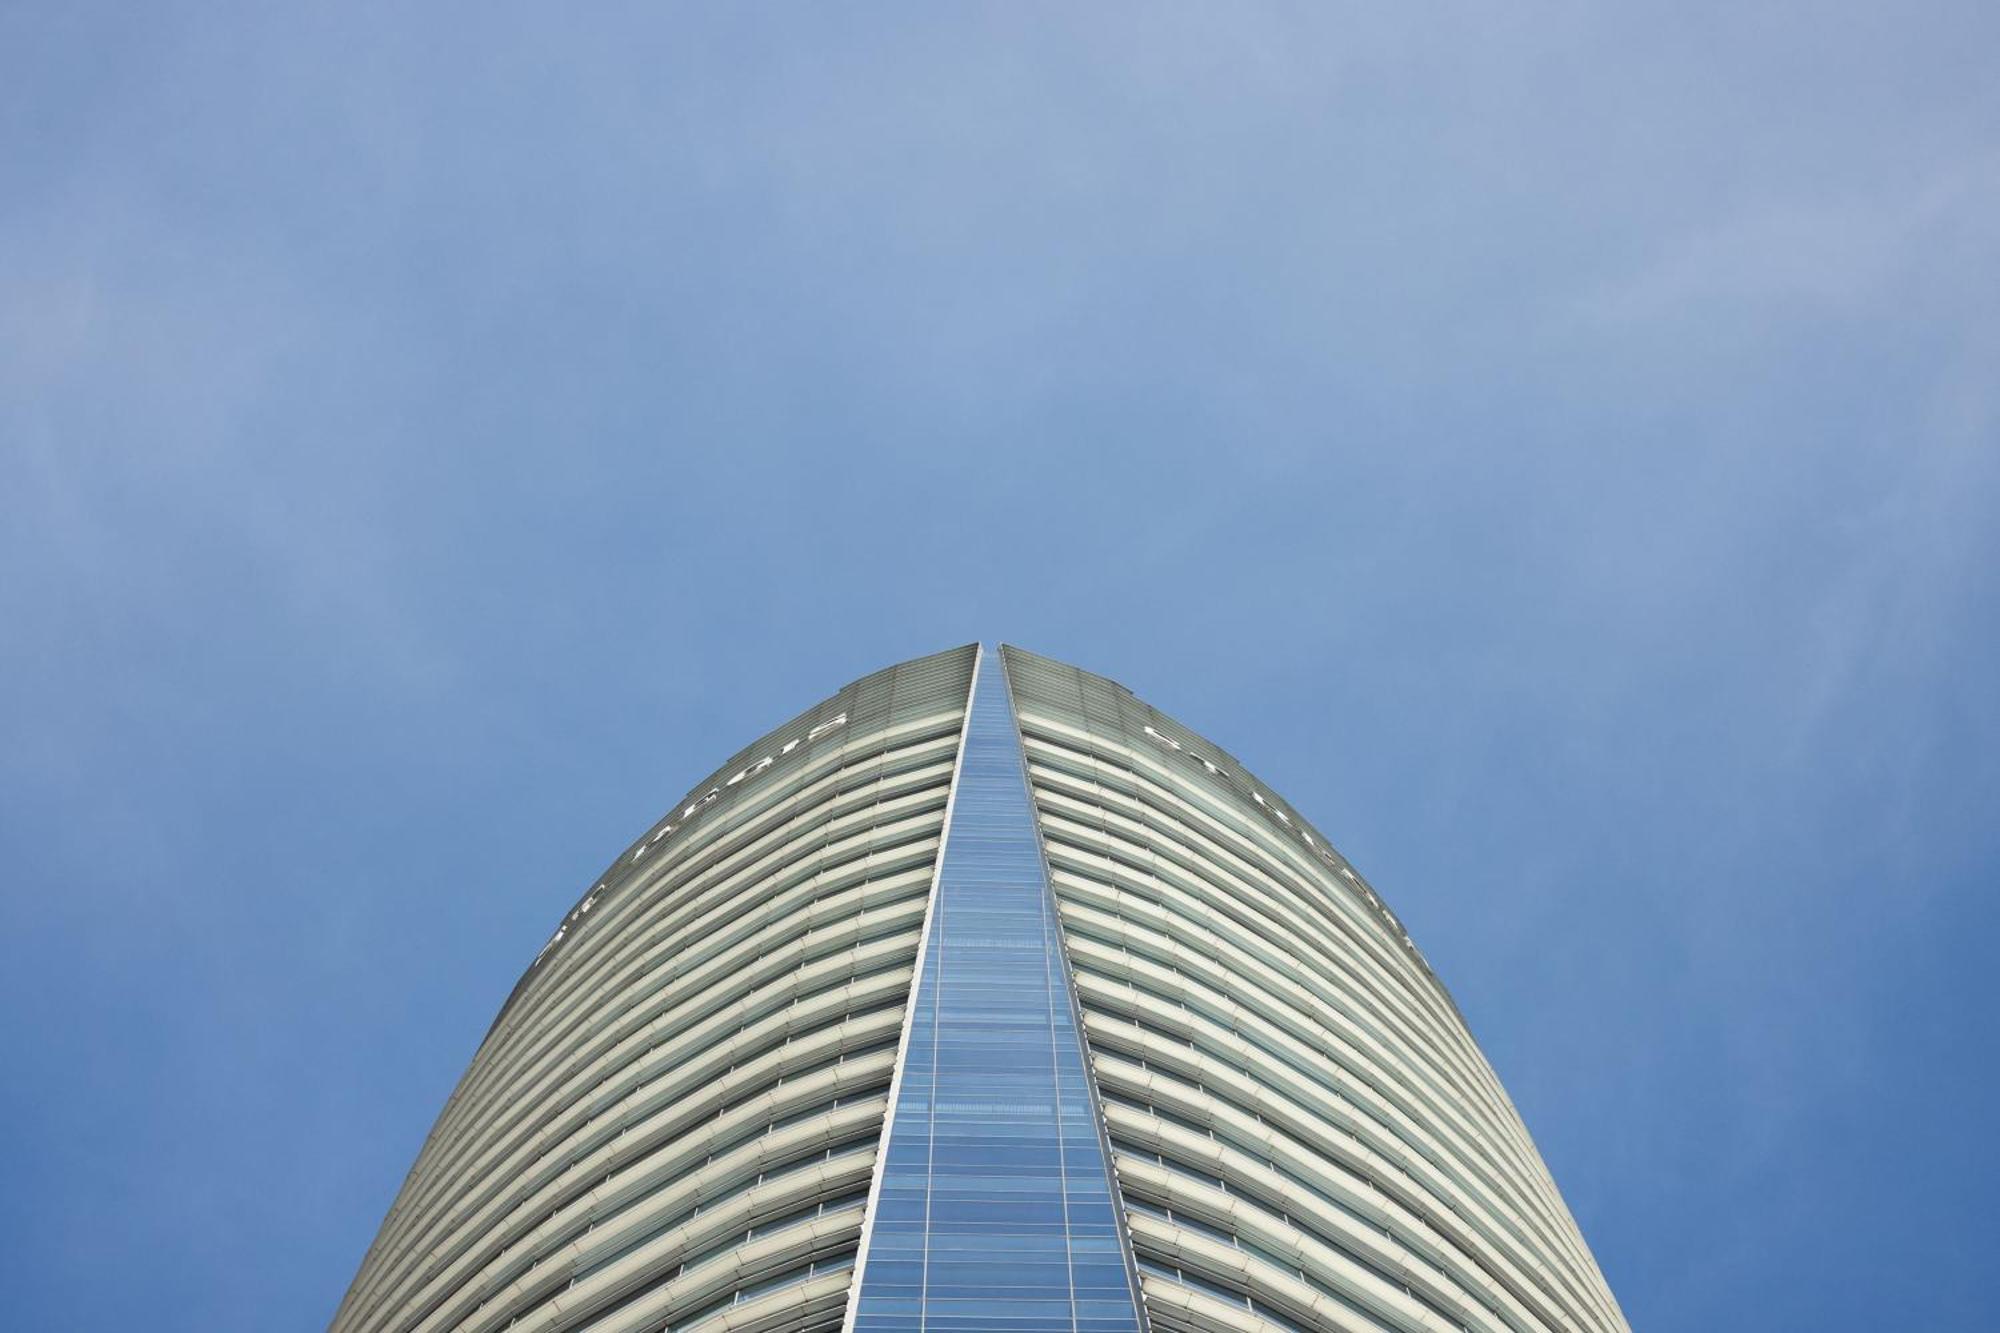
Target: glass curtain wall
x,y
997,1210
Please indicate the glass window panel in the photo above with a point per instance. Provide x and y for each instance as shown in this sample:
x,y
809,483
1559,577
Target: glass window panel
x,y
996,1205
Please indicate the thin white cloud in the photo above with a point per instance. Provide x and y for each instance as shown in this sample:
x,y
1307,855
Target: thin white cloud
x,y
1809,255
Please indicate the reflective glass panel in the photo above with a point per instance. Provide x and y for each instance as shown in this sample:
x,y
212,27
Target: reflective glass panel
x,y
997,1211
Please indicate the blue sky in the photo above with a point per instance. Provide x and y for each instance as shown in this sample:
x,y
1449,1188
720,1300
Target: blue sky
x,y
1557,446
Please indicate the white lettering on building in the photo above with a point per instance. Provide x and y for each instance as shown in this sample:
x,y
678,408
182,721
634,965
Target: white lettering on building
x,y
1324,853
694,808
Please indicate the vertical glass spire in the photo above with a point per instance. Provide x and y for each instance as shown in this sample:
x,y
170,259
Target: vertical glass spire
x,y
996,1211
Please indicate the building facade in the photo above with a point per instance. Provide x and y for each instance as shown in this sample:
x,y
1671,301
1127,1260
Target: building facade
x,y
980,997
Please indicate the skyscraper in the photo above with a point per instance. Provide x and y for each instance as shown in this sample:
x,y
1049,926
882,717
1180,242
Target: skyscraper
x,y
979,997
